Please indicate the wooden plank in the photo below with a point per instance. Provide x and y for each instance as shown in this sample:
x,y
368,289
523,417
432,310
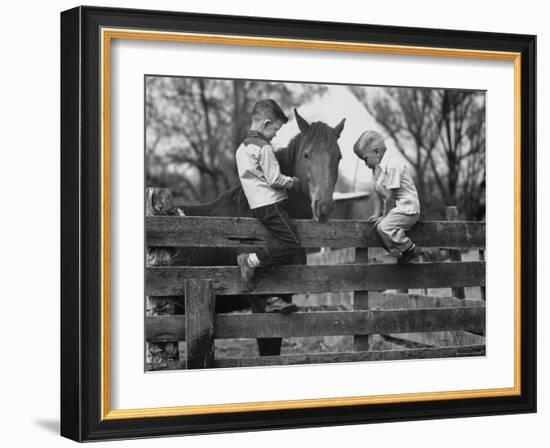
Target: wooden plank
x,y
322,358
166,365
199,323
451,214
172,328
382,300
165,328
361,343
166,281
330,323
247,232
385,355
439,338
340,323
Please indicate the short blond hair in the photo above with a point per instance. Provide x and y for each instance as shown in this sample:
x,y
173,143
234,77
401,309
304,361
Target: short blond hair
x,y
368,141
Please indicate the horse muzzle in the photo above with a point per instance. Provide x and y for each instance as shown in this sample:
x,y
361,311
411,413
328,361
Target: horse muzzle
x,y
321,210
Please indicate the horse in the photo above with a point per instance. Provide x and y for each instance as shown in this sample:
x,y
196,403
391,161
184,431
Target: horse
x,y
313,155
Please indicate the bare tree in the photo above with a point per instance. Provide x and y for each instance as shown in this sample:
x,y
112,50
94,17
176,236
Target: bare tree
x,y
194,126
441,133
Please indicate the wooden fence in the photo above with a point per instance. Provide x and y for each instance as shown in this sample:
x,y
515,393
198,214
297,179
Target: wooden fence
x,y
200,326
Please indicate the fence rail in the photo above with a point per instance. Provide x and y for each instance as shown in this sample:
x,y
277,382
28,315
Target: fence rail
x,y
319,358
326,323
200,285
201,231
166,281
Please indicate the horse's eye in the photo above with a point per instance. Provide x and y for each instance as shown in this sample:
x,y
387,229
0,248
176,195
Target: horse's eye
x,y
306,155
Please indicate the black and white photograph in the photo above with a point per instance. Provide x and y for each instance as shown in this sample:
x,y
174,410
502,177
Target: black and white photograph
x,y
302,223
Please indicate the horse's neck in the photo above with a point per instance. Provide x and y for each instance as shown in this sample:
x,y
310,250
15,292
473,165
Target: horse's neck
x,y
299,206
287,157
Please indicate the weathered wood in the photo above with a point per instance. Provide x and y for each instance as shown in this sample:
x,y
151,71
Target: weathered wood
x,y
440,338
168,328
411,301
157,202
397,342
452,215
482,258
361,302
165,328
385,355
348,323
322,358
168,365
315,279
330,323
199,323
247,232
384,300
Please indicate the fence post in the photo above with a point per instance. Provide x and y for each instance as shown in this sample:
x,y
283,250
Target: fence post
x,y
361,302
482,258
451,213
199,323
157,202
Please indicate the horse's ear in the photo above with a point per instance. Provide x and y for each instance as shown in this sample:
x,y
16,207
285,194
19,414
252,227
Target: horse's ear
x,y
339,128
303,125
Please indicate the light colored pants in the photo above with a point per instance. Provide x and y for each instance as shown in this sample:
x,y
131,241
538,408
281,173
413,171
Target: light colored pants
x,y
392,229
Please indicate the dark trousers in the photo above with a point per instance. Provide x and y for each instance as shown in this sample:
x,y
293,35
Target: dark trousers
x,y
283,242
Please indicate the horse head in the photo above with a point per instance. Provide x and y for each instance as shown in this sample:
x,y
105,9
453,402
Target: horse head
x,y
316,164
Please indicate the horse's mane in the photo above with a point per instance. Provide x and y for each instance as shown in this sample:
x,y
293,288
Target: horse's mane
x,y
287,156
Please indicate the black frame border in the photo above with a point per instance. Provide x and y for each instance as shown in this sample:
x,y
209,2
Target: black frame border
x,y
81,223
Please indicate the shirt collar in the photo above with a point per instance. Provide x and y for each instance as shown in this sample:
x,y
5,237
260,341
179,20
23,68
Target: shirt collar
x,y
385,160
257,134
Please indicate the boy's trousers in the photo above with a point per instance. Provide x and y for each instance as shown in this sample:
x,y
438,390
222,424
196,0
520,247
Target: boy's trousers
x,y
392,229
283,242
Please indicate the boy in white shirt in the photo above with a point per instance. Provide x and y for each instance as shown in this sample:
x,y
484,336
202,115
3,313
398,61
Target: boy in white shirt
x,y
265,188
392,182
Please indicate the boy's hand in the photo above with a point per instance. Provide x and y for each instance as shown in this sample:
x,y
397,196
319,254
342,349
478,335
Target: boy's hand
x,y
295,184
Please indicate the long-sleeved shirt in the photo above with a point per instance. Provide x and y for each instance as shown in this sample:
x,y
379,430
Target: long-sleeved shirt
x,y
259,172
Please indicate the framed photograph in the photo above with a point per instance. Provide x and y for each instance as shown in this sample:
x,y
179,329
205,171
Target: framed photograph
x,y
276,224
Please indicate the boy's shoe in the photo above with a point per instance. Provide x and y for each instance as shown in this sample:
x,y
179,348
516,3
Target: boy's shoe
x,y
246,271
409,255
278,305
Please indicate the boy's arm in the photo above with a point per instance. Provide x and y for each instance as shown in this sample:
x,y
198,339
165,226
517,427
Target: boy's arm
x,y
383,192
393,183
377,204
380,207
272,171
384,197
